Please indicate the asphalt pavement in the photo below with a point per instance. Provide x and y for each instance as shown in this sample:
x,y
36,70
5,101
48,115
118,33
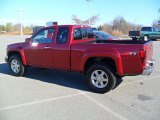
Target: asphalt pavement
x,y
58,95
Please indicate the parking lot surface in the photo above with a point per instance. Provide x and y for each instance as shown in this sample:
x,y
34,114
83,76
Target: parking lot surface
x,y
58,95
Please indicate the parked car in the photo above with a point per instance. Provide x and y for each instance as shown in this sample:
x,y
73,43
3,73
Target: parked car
x,y
73,48
99,35
94,29
146,33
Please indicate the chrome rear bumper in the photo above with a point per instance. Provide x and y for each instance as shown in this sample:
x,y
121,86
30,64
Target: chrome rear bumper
x,y
149,67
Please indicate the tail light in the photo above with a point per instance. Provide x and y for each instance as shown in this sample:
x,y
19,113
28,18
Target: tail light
x,y
142,55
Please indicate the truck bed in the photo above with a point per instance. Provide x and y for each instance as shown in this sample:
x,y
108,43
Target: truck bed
x,y
121,41
126,51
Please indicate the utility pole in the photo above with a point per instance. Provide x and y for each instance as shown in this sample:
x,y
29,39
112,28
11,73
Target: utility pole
x,y
21,19
89,10
159,16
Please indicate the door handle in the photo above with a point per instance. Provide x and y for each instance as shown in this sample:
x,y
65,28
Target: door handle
x,y
47,47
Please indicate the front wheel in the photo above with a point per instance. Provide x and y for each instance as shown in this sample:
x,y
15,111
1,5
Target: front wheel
x,y
146,38
100,78
16,66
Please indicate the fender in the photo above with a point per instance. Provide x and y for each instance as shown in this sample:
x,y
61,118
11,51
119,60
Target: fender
x,y
21,52
113,54
24,60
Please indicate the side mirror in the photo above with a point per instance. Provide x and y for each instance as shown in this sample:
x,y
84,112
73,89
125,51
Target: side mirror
x,y
28,40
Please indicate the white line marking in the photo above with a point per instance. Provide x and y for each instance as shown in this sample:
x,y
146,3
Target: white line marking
x,y
105,108
137,81
38,102
98,103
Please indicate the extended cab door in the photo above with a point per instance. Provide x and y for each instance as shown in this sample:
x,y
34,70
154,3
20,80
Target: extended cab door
x,y
39,51
61,50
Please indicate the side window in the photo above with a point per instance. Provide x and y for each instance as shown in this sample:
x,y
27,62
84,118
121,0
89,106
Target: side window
x,y
62,35
77,34
90,33
44,36
154,29
149,29
84,33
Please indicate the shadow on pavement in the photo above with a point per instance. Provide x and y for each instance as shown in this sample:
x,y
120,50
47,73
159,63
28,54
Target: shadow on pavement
x,y
67,79
4,68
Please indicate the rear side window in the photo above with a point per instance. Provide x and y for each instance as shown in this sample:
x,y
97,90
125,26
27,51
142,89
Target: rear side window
x,y
90,33
83,33
62,35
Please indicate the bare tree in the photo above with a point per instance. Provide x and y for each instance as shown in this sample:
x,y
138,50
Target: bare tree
x,y
76,20
133,26
156,23
79,21
106,28
119,23
119,26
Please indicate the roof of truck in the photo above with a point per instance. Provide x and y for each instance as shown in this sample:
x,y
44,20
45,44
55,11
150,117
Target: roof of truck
x,y
69,26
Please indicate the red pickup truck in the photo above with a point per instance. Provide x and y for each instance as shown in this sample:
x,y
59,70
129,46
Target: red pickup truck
x,y
73,48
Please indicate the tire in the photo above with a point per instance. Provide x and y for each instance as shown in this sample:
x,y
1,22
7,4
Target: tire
x,y
100,78
146,38
16,66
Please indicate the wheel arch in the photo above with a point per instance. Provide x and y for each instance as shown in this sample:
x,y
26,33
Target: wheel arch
x,y
95,60
20,54
146,35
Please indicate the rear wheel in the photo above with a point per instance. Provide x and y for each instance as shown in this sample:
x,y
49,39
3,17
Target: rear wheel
x,y
100,78
16,66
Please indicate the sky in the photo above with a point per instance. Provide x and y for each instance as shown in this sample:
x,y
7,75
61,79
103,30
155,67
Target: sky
x,y
38,12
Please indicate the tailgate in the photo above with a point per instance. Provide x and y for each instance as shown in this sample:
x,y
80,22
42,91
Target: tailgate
x,y
134,33
149,50
149,62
